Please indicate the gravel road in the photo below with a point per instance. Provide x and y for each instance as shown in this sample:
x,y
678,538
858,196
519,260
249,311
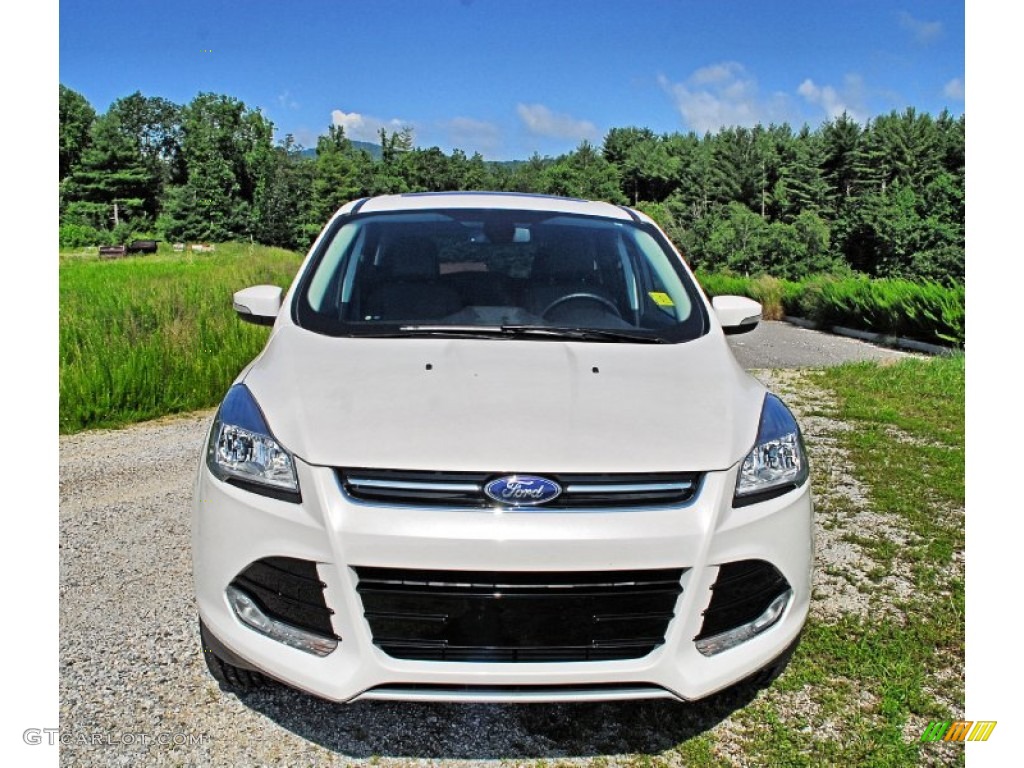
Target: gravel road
x,y
133,686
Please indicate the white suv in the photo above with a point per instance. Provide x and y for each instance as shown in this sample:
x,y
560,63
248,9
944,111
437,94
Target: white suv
x,y
497,448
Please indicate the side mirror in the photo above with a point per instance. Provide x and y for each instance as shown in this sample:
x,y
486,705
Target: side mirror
x,y
737,314
258,304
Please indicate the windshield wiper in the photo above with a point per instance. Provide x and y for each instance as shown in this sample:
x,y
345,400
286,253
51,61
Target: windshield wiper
x,y
581,334
518,331
458,331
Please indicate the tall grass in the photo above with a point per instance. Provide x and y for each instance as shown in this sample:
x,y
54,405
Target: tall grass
x,y
148,336
928,311
770,291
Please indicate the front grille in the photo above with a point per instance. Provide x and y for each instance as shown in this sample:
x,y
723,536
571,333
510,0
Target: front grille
x,y
743,591
494,616
289,590
466,489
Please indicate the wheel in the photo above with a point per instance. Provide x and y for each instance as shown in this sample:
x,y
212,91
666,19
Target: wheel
x,y
767,675
582,297
229,676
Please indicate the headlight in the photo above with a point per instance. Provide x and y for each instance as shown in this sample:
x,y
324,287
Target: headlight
x,y
243,451
778,462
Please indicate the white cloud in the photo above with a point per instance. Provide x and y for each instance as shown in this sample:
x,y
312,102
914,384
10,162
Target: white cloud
x,y
833,101
365,127
471,135
541,121
923,31
286,100
716,73
954,89
724,95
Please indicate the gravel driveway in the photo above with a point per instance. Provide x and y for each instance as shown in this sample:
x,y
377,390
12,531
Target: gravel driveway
x,y
133,686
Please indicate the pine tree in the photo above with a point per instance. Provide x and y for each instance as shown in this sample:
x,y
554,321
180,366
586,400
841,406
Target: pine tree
x,y
111,184
76,119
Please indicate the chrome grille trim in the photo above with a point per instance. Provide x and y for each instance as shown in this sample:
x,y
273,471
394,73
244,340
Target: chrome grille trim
x,y
628,488
429,488
365,482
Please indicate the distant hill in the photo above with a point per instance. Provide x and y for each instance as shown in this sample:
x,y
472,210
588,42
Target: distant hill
x,y
366,146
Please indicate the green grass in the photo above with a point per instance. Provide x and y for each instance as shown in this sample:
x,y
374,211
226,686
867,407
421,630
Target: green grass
x,y
154,335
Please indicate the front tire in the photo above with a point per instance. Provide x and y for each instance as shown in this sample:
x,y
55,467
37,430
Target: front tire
x,y
769,674
230,677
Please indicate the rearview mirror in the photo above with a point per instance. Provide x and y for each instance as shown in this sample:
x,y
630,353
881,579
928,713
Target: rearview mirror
x,y
258,304
737,314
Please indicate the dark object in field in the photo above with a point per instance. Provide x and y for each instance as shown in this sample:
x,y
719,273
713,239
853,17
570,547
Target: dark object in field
x,y
142,246
112,251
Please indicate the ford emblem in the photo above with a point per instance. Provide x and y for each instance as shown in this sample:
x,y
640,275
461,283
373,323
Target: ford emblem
x,y
522,490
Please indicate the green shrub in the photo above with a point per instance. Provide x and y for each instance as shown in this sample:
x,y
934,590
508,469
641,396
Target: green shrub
x,y
926,311
81,235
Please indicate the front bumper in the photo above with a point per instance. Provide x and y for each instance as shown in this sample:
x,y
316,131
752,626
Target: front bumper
x,y
233,528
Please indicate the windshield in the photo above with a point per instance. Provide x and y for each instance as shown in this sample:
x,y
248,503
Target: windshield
x,y
498,272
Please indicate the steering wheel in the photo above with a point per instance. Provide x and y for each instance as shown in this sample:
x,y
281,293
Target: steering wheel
x,y
585,297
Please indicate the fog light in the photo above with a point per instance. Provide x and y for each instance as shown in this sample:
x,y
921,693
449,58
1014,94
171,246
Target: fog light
x,y
709,646
249,613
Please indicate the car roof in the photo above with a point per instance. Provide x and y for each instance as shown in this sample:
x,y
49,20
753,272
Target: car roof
x,y
417,201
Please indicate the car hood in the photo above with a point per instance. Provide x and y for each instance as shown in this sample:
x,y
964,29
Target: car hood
x,y
506,405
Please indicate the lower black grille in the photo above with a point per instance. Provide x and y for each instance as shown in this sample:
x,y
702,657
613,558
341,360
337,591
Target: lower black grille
x,y
289,590
490,616
742,592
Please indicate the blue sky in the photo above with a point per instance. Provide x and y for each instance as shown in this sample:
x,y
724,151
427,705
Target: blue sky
x,y
511,77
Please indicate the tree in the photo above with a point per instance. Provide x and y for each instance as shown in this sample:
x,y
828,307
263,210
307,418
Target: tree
x,y
690,197
585,174
226,149
528,176
840,139
111,183
429,170
899,147
900,233
282,203
76,119
470,173
736,241
646,167
341,173
154,126
800,186
387,176
737,168
798,249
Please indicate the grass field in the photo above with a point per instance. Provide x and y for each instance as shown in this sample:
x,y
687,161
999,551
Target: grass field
x,y
153,335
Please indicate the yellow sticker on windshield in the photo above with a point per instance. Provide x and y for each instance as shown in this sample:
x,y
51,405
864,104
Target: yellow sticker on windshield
x,y
662,299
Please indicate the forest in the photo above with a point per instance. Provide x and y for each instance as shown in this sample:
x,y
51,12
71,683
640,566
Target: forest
x,y
883,199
